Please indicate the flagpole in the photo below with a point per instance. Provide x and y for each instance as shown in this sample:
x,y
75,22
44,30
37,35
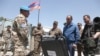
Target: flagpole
x,y
38,15
39,12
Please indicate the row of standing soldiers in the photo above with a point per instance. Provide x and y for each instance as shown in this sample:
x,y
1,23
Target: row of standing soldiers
x,y
16,39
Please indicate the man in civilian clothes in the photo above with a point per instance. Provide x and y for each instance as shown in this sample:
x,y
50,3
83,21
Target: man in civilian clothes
x,y
72,35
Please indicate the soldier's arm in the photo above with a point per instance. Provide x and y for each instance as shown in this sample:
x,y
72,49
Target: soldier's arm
x,y
34,32
96,35
40,32
4,35
1,33
16,28
60,32
51,33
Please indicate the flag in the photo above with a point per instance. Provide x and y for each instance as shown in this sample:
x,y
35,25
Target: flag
x,y
34,5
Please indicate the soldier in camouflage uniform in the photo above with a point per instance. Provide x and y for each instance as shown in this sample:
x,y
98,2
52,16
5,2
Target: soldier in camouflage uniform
x,y
55,31
7,36
20,32
37,32
79,44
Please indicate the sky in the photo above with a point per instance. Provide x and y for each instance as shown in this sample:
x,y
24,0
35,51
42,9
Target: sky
x,y
52,10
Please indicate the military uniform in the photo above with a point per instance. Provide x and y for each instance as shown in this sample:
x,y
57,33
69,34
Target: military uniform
x,y
88,33
79,44
7,36
20,35
37,38
55,32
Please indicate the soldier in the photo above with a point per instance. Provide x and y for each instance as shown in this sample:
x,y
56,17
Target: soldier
x,y
55,31
20,32
7,35
80,28
96,36
38,32
90,36
79,45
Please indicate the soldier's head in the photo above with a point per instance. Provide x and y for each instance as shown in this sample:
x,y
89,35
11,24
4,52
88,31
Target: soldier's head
x,y
55,24
96,23
8,27
86,19
20,19
96,20
39,25
69,19
79,25
25,11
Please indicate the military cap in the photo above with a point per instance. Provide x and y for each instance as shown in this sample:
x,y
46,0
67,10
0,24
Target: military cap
x,y
25,8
